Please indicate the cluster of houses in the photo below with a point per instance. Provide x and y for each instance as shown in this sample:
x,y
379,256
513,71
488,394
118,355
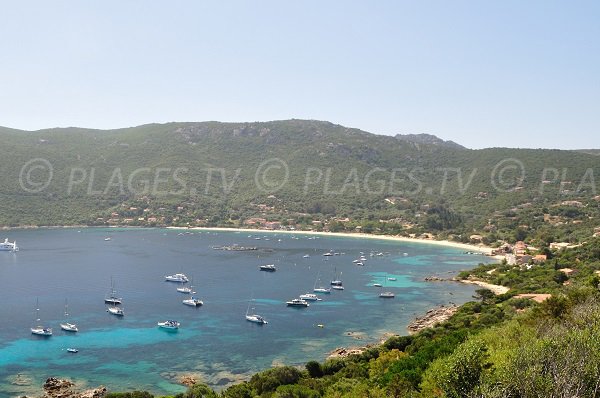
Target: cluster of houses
x,y
519,254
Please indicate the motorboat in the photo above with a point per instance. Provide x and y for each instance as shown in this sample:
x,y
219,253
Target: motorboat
x,y
268,268
337,287
297,303
170,324
7,246
72,350
387,295
193,302
310,297
181,278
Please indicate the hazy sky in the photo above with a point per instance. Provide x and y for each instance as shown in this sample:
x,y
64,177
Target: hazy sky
x,y
482,73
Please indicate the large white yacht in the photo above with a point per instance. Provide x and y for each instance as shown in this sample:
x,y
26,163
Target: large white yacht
x,y
7,246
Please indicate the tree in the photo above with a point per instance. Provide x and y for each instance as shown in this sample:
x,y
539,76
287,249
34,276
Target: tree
x,y
314,369
200,390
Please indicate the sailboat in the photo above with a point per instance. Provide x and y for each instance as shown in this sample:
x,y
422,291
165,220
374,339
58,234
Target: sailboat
x,y
255,317
66,326
387,294
320,289
112,298
40,330
114,310
336,284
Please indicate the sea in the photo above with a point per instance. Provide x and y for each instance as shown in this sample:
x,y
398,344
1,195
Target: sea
x,y
70,268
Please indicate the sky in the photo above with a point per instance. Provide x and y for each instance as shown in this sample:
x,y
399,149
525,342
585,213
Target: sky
x,y
481,73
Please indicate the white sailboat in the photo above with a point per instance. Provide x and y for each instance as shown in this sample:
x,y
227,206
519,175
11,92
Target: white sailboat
x,y
252,317
111,297
66,326
40,330
320,289
386,294
114,310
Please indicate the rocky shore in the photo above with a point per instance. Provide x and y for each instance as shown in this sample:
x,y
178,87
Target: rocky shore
x,y
432,317
62,388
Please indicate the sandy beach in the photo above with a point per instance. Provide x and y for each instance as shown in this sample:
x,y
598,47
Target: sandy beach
x,y
496,289
467,247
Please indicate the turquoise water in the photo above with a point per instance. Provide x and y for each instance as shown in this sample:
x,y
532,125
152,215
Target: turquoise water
x,y
215,342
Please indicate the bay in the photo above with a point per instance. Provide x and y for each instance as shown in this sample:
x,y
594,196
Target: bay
x,y
215,341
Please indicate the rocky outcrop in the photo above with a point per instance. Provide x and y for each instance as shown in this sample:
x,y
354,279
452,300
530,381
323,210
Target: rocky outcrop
x,y
431,318
61,388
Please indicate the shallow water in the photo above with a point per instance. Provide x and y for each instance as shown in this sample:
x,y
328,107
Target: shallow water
x,y
214,341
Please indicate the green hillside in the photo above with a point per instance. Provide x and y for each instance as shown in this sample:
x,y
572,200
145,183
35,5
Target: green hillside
x,y
296,171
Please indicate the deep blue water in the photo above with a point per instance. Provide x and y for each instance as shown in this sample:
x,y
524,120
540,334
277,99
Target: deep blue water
x,y
215,341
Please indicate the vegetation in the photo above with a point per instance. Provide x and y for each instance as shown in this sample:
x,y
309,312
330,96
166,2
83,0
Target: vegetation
x,y
302,174
316,175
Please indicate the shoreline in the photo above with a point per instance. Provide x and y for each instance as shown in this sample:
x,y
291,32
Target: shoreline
x,y
478,249
484,250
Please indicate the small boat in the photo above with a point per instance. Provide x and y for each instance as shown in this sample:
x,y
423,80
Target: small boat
x,y
40,330
310,297
297,303
181,278
360,263
306,256
328,254
73,350
377,284
391,279
66,326
320,325
170,324
193,302
7,246
111,297
185,289
107,239
268,268
118,311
